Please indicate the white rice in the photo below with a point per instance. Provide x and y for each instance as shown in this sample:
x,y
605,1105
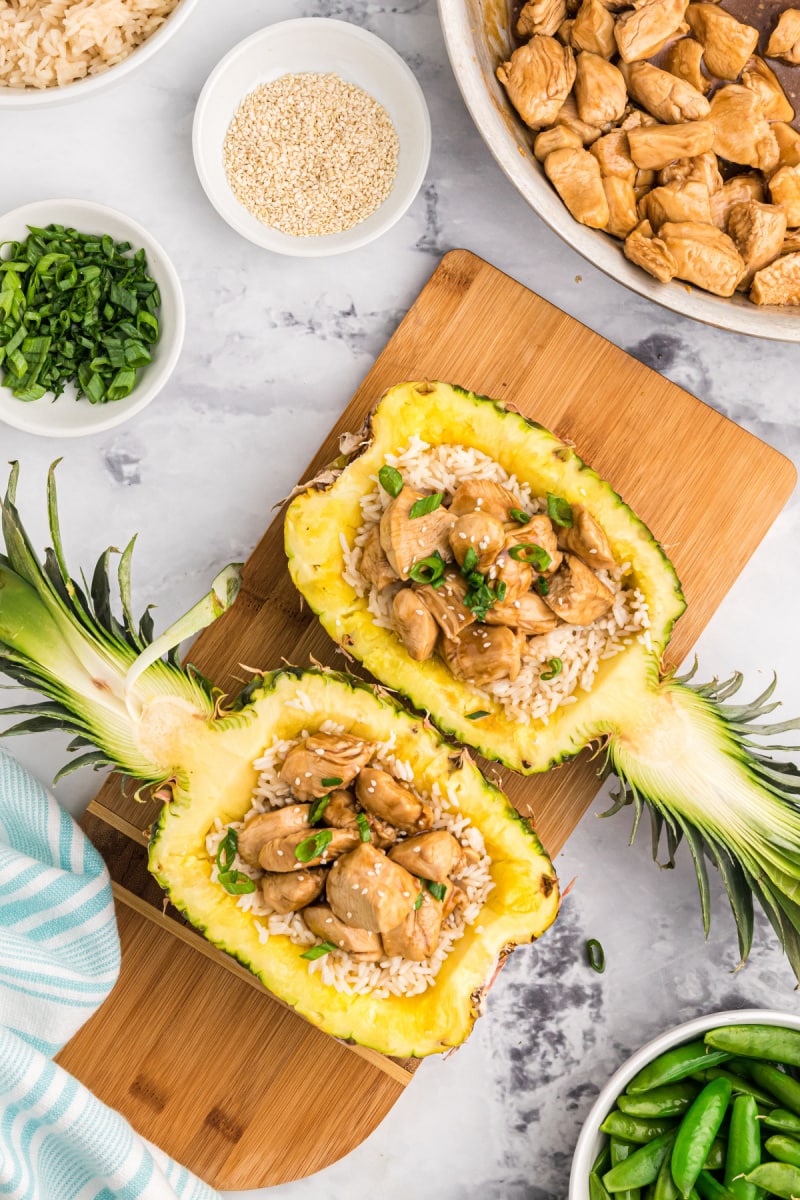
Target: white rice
x,y
395,976
580,648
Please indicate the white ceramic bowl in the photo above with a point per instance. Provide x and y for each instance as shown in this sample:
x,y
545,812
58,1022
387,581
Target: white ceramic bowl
x,y
66,416
477,36
42,97
591,1139
323,45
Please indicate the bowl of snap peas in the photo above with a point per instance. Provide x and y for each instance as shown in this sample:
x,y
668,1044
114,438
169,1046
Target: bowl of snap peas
x,y
709,1110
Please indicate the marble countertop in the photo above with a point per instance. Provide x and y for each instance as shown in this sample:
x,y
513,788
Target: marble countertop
x,y
275,349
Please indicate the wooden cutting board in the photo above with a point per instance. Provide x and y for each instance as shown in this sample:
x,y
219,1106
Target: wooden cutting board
x,y
189,1046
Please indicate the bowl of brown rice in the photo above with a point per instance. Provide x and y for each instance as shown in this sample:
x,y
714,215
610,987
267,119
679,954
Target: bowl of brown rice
x,y
311,137
52,51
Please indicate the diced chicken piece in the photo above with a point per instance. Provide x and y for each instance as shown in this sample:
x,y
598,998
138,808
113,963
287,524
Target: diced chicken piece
x,y
529,614
541,16
484,654
704,255
379,793
762,80
784,43
683,58
280,854
575,175
568,117
600,91
538,78
433,855
557,138
406,539
342,812
758,231
480,532
613,154
366,890
703,168
446,603
791,242
364,945
636,119
515,574
665,97
784,188
418,936
788,140
375,566
727,43
268,825
309,767
650,253
779,283
539,532
655,146
593,29
285,893
576,594
564,32
456,897
482,495
413,623
642,31
677,201
741,135
623,215
586,538
739,189
645,180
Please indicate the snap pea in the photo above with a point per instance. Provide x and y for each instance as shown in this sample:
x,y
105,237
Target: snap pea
x,y
781,1179
758,1041
715,1159
785,1149
779,1118
738,1084
596,1189
744,1148
635,1129
676,1064
696,1133
603,1160
641,1167
665,1186
778,1084
670,1100
709,1188
620,1150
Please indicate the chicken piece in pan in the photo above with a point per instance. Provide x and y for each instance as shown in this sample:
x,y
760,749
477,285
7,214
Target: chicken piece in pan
x,y
287,892
407,539
413,623
366,890
784,41
704,255
310,766
727,43
576,594
741,135
600,91
758,231
779,283
538,78
363,944
684,58
379,793
650,253
642,31
417,936
666,97
575,174
484,654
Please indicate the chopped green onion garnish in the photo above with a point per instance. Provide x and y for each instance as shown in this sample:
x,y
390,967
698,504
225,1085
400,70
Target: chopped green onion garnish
x,y
476,716
470,561
313,846
427,504
500,590
520,516
559,511
331,781
529,552
428,570
390,480
542,586
555,665
318,951
317,809
363,828
226,851
596,955
437,890
418,901
236,882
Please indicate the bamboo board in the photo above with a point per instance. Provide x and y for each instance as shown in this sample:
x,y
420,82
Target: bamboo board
x,y
662,449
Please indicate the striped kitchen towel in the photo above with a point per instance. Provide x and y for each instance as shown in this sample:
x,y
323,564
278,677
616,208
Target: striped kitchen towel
x,y
59,959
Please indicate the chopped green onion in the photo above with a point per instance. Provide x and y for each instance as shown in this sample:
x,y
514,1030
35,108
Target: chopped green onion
x,y
317,809
520,516
470,561
363,828
313,846
428,570
437,890
237,883
331,781
318,951
390,480
596,955
476,716
542,586
529,552
559,511
555,666
226,851
427,504
418,901
234,882
500,590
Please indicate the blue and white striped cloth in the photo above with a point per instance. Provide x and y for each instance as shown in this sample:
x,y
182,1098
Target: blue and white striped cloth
x,y
59,959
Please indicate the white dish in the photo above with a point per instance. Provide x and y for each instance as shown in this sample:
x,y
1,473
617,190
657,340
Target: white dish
x,y
42,97
322,45
66,416
590,1139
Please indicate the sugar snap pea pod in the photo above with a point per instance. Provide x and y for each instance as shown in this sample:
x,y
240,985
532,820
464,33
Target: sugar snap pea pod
x,y
603,1160
696,1133
676,1064
739,1084
596,1189
665,1186
780,1119
715,1159
709,1188
781,1179
636,1129
744,1148
784,1148
778,1084
758,1041
620,1150
640,1168
668,1101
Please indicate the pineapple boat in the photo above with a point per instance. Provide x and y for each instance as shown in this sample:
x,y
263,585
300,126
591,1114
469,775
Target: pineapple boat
x,y
362,868
471,561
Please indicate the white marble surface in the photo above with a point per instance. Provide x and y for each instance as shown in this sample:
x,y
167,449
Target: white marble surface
x,y
274,350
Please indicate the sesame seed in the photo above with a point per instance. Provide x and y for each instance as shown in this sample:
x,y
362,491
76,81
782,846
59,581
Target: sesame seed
x,y
329,920
363,891
349,915
355,887
280,854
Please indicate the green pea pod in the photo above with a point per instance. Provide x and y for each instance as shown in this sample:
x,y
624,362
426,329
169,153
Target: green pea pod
x,y
665,1186
758,1041
635,1129
670,1100
779,1084
715,1159
620,1150
744,1148
785,1149
740,1085
709,1188
782,1179
603,1160
696,1133
640,1168
676,1064
596,1189
780,1119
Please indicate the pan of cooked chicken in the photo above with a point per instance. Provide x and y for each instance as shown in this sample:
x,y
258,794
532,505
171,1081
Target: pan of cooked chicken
x,y
658,138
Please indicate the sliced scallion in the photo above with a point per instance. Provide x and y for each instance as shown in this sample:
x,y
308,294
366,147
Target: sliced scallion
x,y
331,781
428,570
437,890
318,951
312,846
317,809
390,480
559,511
528,552
520,516
364,831
554,667
427,504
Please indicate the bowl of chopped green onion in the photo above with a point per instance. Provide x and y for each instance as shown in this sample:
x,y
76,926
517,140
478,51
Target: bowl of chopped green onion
x,y
92,318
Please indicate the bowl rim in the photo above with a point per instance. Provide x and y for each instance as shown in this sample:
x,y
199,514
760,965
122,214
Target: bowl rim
x,y
166,273
587,1145
312,247
90,84
774,323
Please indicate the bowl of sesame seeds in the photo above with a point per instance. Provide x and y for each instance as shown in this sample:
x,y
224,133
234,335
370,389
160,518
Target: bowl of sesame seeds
x,y
311,137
